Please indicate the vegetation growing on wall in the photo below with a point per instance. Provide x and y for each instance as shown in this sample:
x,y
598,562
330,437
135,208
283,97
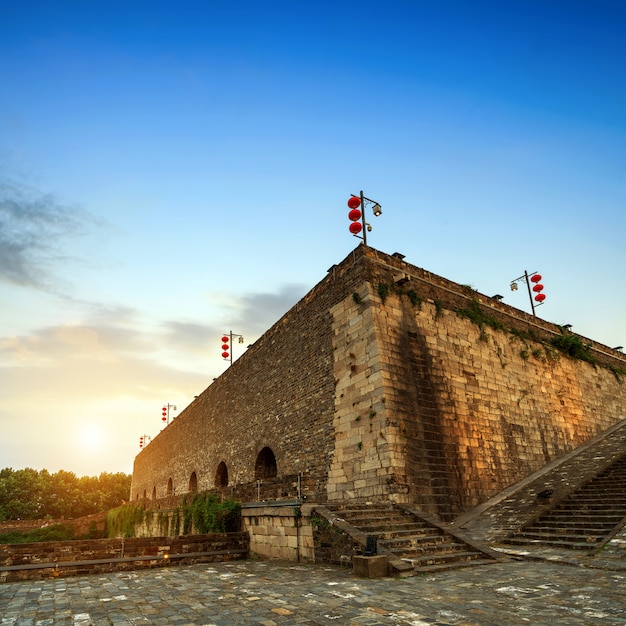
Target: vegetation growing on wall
x,y
478,316
203,514
383,291
209,515
573,346
566,343
415,299
123,521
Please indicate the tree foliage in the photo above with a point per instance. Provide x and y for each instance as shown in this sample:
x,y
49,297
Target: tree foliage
x,y
33,494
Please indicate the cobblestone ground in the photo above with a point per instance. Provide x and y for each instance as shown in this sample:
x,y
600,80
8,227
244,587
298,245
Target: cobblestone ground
x,y
269,593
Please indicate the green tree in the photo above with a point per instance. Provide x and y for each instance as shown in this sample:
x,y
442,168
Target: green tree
x,y
31,494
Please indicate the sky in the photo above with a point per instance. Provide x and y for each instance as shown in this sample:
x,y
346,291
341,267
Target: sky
x,y
171,171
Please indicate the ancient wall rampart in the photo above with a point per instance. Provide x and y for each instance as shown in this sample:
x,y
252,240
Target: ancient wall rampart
x,y
388,382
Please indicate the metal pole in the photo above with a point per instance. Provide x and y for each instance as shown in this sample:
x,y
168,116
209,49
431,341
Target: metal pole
x,y
231,347
363,218
530,295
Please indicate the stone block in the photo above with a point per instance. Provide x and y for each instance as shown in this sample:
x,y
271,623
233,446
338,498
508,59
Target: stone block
x,y
371,566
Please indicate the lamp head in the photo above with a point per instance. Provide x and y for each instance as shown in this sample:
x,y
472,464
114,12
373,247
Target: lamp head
x,y
514,287
377,209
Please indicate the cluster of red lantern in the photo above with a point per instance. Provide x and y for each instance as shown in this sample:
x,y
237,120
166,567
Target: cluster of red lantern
x,y
164,414
225,347
538,288
354,215
141,442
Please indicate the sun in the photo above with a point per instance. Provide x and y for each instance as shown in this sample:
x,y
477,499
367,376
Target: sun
x,y
91,437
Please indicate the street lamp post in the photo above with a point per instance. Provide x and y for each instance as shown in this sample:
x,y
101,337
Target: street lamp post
x,y
165,412
144,440
537,287
227,343
357,215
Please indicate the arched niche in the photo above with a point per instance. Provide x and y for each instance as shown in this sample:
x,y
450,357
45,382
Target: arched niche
x,y
193,483
265,466
221,475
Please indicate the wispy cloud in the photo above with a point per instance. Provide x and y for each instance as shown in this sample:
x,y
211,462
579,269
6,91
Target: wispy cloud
x,y
33,228
113,367
258,311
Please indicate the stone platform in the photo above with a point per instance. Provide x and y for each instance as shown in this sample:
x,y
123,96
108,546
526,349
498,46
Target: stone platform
x,y
553,589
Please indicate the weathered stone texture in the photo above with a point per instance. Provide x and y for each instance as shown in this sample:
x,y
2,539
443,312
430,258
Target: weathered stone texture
x,y
31,561
375,387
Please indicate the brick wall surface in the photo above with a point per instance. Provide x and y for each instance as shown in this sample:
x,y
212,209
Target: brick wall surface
x,y
71,558
374,387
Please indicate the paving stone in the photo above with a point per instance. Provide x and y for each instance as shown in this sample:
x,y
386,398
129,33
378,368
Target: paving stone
x,y
276,593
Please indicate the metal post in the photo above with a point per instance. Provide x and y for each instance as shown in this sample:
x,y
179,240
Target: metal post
x,y
530,295
363,219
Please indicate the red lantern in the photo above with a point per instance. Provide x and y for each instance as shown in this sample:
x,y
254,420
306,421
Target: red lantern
x,y
355,228
354,202
225,354
540,297
354,215
225,339
535,278
538,287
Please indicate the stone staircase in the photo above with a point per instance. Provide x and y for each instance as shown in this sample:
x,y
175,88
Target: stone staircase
x,y
413,543
585,519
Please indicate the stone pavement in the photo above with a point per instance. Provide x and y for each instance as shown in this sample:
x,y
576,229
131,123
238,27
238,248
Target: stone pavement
x,y
269,593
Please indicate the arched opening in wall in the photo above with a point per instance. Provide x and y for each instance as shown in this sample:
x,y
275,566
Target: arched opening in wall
x,y
221,476
154,492
193,483
265,466
170,487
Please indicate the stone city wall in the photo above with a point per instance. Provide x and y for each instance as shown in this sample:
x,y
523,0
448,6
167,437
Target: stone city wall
x,y
388,382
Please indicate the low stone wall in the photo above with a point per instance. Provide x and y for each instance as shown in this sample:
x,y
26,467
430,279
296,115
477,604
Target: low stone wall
x,y
80,525
72,558
279,530
285,530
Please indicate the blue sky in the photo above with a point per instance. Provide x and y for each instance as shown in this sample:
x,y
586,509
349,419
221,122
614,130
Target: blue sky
x,y
170,171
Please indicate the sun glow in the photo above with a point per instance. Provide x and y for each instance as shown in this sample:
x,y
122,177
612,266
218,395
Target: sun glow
x,y
91,437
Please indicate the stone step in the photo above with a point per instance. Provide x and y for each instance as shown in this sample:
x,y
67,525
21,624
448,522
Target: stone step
x,y
394,531
452,558
555,543
436,542
589,537
407,536
360,506
539,532
608,521
584,518
376,517
598,496
596,505
569,530
442,567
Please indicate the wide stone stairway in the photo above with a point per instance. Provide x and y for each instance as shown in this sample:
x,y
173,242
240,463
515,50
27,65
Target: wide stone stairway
x,y
585,519
411,541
